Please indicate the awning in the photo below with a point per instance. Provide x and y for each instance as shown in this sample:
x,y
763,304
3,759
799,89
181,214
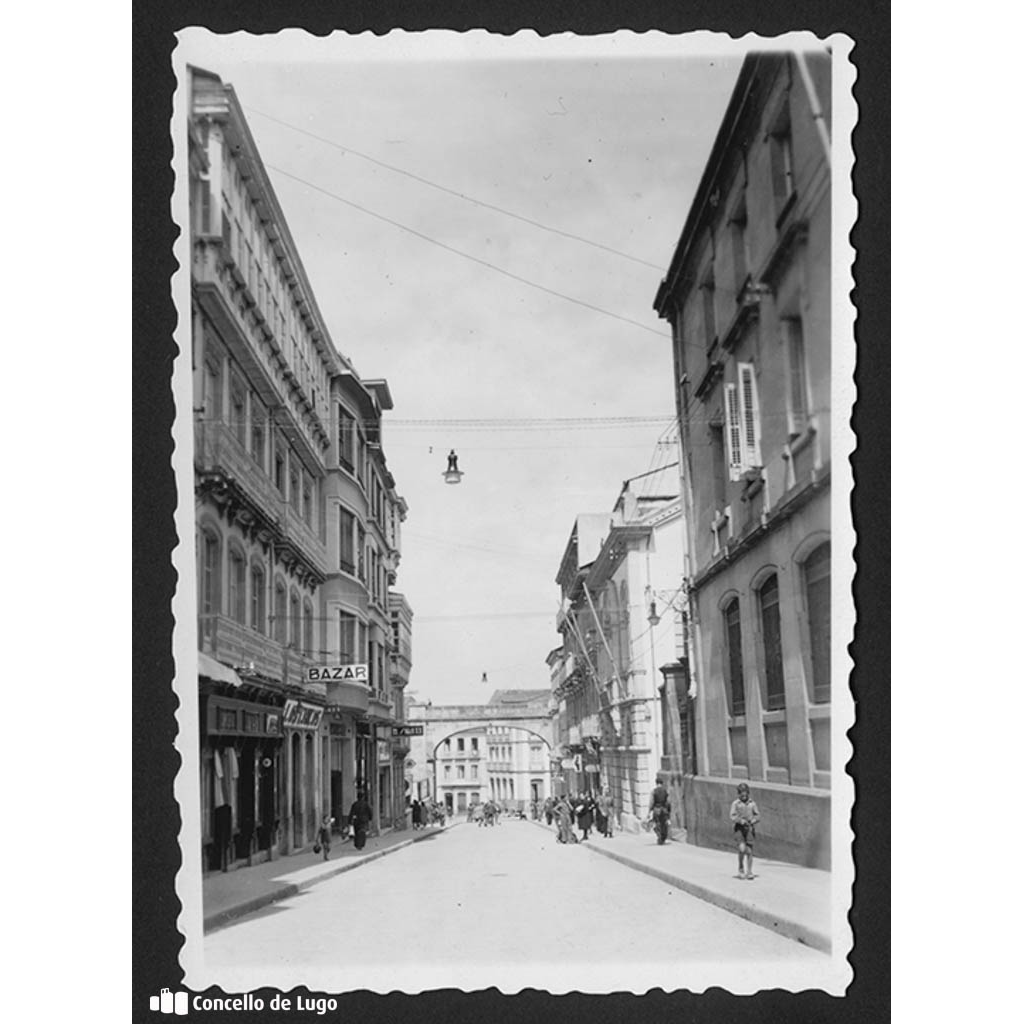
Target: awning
x,y
210,668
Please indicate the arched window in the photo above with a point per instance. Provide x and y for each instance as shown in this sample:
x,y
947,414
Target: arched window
x,y
280,613
817,589
236,585
209,581
258,599
307,629
294,624
771,640
734,658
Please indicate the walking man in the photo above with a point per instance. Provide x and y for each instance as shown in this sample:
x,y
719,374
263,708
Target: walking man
x,y
660,810
359,817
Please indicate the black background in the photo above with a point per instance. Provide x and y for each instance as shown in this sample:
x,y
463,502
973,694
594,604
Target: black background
x,y
155,815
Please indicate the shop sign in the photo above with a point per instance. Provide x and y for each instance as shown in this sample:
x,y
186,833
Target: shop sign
x,y
568,763
302,716
407,730
343,673
592,768
237,718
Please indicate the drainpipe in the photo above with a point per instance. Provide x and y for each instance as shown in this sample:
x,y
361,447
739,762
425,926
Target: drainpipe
x,y
816,112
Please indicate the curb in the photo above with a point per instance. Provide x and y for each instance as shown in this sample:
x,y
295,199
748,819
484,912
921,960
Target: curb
x,y
230,914
755,915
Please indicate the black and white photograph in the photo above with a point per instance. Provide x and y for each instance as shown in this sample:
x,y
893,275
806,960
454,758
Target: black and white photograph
x,y
514,549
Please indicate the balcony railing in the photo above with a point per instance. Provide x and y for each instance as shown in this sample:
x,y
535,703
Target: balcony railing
x,y
234,644
219,450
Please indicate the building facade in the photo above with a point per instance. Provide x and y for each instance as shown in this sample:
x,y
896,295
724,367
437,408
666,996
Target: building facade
x,y
267,385
748,296
618,572
471,753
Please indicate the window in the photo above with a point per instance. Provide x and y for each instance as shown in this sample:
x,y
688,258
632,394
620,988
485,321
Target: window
x,y
780,143
346,438
238,411
346,540
707,292
209,599
793,341
734,659
738,242
817,588
307,500
279,461
771,639
293,488
474,745
447,771
211,391
258,600
348,639
361,552
307,629
461,771
474,771
294,636
447,746
236,587
204,206
743,422
716,434
258,440
461,745
280,614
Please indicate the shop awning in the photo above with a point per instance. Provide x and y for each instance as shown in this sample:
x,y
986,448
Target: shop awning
x,y
210,668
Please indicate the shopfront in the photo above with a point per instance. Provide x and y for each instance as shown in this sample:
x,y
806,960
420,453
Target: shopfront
x,y
301,804
240,772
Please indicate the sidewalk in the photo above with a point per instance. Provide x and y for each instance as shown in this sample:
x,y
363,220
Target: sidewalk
x,y
791,900
231,894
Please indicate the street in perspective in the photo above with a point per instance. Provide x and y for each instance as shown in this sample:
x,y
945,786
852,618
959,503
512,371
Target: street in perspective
x,y
519,657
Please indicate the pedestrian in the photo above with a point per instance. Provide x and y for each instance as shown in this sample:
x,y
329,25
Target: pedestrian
x,y
549,809
359,817
605,810
660,810
563,813
417,814
744,815
585,814
323,837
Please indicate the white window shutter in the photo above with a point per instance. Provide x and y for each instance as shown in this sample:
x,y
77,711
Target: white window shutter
x,y
733,432
750,416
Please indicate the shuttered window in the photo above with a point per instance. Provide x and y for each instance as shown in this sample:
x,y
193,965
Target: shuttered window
x,y
750,415
733,433
346,541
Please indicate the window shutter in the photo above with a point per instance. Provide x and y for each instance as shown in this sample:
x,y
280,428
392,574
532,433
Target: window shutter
x,y
750,415
733,432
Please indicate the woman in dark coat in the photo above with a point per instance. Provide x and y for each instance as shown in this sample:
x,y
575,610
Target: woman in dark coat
x,y
359,817
585,814
417,814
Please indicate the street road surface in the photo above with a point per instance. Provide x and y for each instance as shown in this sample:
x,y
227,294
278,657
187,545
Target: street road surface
x,y
507,906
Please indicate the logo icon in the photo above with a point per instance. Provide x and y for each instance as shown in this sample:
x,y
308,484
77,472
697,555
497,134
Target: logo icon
x,y
167,1002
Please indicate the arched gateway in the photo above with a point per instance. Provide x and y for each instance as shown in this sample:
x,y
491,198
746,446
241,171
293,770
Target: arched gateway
x,y
471,753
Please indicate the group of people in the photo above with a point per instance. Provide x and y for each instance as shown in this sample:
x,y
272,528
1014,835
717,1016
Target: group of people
x,y
427,812
487,813
585,811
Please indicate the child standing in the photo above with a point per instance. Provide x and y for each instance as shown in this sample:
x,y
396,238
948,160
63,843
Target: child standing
x,y
745,816
324,835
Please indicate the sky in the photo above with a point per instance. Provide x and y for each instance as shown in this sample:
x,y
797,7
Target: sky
x,y
386,155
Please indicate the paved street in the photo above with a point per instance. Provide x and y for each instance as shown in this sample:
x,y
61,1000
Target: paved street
x,y
503,906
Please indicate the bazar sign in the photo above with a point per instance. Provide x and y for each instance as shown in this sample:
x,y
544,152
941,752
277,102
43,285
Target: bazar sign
x,y
345,673
302,716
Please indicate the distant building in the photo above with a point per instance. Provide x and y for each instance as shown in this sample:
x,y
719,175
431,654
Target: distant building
x,y
606,682
748,296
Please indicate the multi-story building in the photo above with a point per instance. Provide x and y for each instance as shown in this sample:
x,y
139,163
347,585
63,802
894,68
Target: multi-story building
x,y
267,381
748,295
401,671
364,514
618,573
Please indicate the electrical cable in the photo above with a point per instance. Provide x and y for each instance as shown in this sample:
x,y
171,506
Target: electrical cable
x,y
453,192
468,256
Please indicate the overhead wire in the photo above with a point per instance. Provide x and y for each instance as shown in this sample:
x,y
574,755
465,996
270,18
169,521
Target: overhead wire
x,y
469,256
453,192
